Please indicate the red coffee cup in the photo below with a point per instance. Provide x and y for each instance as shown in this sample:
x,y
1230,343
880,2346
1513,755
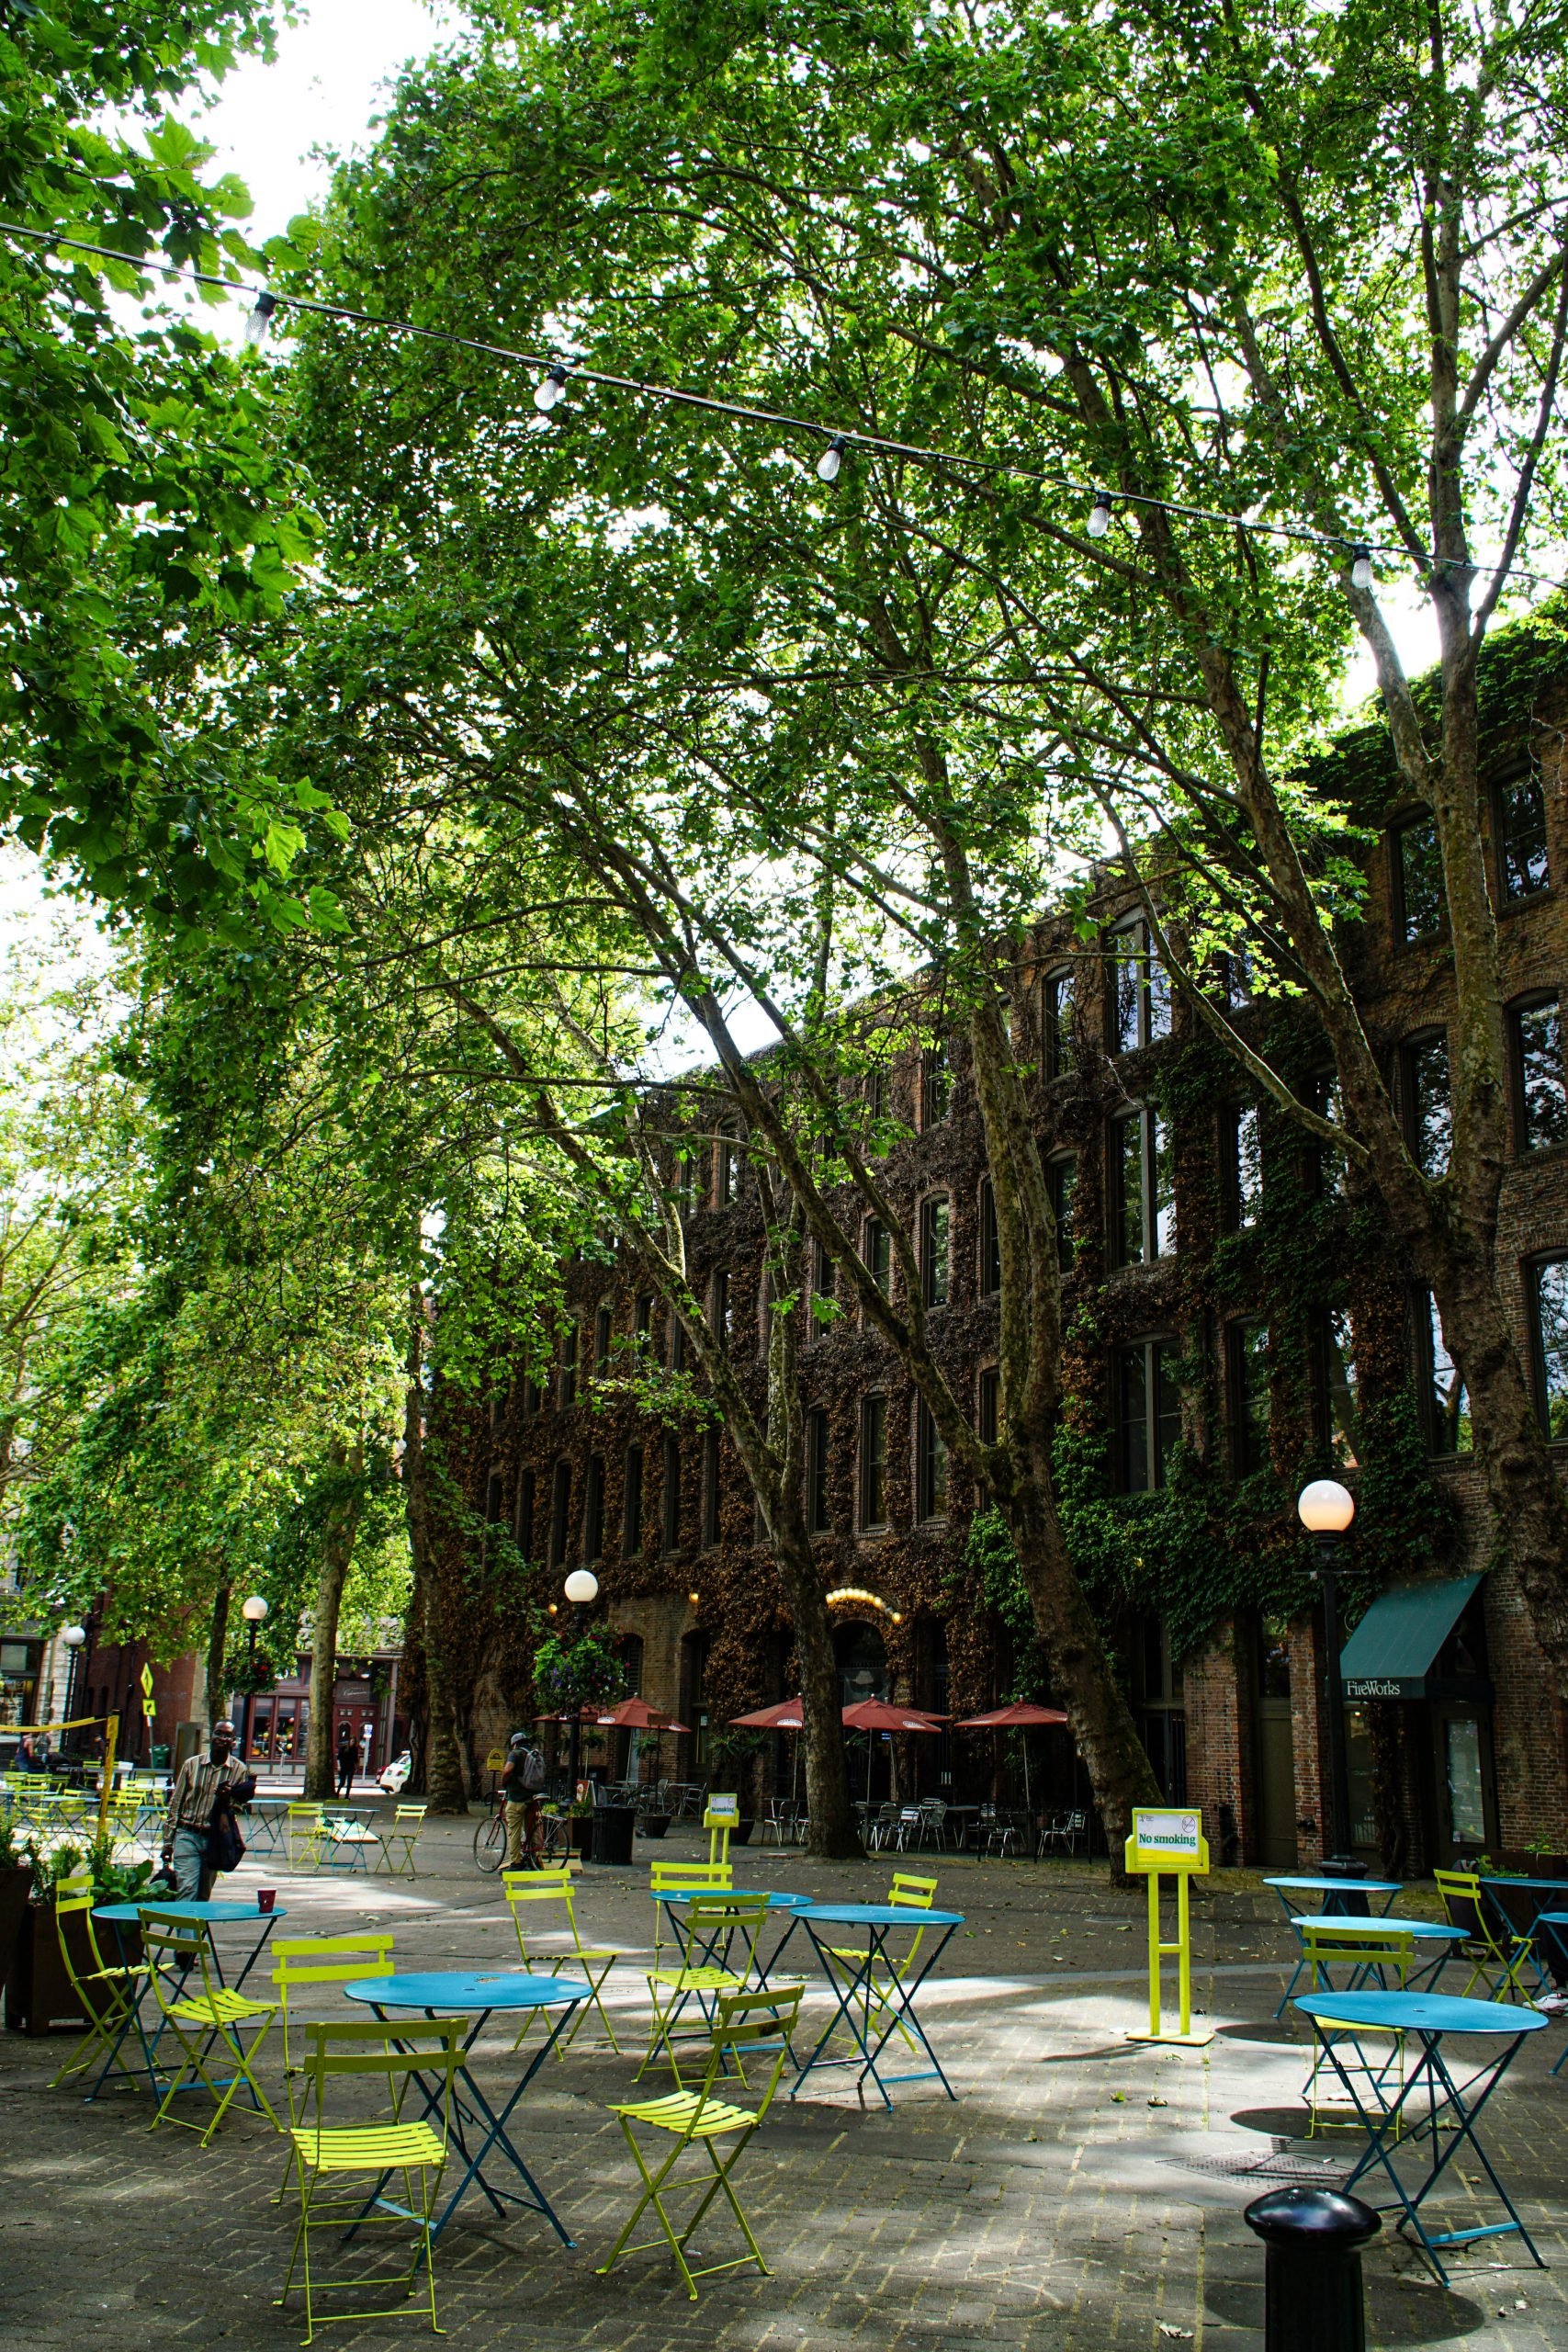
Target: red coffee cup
x,y
266,1897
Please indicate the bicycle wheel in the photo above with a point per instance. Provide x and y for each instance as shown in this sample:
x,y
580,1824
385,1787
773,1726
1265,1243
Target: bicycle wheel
x,y
490,1844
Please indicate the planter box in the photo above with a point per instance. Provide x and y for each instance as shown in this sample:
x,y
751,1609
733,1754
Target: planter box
x,y
40,1995
15,1884
1514,1862
583,1834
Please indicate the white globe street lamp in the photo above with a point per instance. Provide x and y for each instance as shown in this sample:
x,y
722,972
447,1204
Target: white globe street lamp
x,y
582,1589
1325,1509
254,1610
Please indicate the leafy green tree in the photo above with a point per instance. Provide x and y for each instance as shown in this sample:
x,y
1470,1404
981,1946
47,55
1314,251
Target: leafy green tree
x,y
1300,268
146,510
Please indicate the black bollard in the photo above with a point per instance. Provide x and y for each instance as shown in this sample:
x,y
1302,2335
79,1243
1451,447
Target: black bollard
x,y
1311,2276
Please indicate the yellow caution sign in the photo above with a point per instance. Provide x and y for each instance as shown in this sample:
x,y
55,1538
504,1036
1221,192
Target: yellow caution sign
x,y
147,1684
495,1761
1168,1841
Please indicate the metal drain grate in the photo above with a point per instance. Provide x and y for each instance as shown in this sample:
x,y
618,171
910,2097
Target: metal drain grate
x,y
1320,2172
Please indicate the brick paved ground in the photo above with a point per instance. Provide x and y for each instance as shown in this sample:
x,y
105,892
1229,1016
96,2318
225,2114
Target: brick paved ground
x,y
1083,2195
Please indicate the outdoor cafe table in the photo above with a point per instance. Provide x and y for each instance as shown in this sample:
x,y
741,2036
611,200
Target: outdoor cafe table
x,y
1332,1892
444,1992
871,1984
676,1900
271,1815
1431,2105
1432,1946
211,1914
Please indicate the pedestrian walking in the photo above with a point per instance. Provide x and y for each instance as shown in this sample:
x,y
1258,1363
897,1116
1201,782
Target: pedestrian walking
x,y
205,1789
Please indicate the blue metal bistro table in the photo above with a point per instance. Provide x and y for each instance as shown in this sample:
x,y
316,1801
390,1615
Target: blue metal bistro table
x,y
676,1901
446,1993
1432,2109
1296,1896
875,1995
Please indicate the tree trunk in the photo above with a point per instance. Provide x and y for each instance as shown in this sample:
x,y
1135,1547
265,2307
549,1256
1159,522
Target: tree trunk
x,y
834,1833
337,1551
445,1791
1522,1483
214,1698
1114,1757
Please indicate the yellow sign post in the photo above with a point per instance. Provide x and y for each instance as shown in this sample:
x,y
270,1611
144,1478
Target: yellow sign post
x,y
147,1684
722,1814
1169,1842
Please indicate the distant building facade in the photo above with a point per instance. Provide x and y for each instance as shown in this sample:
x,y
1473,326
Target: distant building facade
x,y
1238,1320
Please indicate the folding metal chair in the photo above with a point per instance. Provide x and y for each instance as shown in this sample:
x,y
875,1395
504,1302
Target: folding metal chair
x,y
684,1878
712,1925
110,1996
1378,1951
402,1830
1496,1954
594,1962
320,1960
307,1835
199,2022
365,2156
745,2024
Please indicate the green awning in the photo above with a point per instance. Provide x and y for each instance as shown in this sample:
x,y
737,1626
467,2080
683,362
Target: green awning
x,y
1390,1654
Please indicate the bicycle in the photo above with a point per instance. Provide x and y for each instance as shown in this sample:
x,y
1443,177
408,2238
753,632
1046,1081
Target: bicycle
x,y
489,1840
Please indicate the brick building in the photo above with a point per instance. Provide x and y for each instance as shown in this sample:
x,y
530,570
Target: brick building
x,y
1239,1321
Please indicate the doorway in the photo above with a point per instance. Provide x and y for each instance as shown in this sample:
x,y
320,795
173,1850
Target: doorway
x,y
863,1674
1274,1768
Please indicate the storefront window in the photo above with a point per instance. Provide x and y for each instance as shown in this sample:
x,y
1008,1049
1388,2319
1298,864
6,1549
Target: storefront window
x,y
1467,1812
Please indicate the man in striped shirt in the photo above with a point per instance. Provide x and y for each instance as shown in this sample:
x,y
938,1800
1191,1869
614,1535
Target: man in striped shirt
x,y
191,1800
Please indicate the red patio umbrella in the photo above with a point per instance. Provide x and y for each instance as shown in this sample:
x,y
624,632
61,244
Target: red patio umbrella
x,y
1021,1714
880,1714
636,1714
866,1714
785,1715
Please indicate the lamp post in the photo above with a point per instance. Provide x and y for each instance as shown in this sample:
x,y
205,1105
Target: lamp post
x,y
582,1589
76,1640
1325,1509
254,1612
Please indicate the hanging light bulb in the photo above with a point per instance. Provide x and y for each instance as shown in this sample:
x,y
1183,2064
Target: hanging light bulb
x,y
1100,515
551,391
258,322
832,457
1360,567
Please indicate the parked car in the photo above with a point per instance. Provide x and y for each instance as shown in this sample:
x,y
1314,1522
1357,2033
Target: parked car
x,y
394,1780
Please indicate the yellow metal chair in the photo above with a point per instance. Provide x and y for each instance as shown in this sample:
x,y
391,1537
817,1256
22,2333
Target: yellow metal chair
x,y
1493,1963
523,1889
305,1837
407,1822
745,2024
318,1961
713,1923
363,2156
110,1994
685,1878
1377,1948
907,1892
213,2020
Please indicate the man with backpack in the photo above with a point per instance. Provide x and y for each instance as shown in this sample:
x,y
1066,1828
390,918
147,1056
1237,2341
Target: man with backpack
x,y
520,1782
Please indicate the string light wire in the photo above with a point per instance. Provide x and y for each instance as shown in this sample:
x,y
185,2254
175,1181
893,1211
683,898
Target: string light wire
x,y
1358,551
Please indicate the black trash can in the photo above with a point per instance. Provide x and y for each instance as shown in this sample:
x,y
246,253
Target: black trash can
x,y
613,1829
